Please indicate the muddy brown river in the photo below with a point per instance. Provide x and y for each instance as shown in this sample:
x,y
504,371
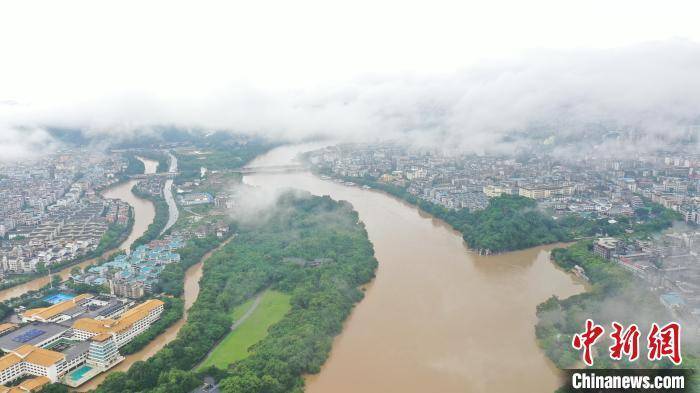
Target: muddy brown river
x,y
438,317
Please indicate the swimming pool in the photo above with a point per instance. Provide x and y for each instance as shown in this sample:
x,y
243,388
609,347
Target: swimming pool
x,y
80,373
59,297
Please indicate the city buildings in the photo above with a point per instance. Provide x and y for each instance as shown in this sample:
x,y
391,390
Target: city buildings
x,y
83,333
667,265
51,212
606,247
583,185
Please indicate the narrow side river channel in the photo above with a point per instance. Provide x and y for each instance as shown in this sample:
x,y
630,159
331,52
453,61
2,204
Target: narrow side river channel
x,y
438,317
144,211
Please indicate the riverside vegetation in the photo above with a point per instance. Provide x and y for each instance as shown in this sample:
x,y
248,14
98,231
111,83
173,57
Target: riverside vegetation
x,y
159,221
266,255
512,222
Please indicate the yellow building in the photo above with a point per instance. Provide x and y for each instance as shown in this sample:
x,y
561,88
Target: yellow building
x,y
7,327
28,386
31,360
124,328
54,313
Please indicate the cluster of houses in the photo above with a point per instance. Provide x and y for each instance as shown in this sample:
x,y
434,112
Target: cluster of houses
x,y
64,234
135,274
152,185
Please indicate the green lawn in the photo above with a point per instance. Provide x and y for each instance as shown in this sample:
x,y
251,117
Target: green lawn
x,y
273,306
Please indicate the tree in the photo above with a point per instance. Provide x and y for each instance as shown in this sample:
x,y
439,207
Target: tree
x,y
177,381
245,383
115,382
54,388
142,375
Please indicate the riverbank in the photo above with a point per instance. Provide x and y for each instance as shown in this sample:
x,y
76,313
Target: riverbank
x,y
143,209
508,223
512,222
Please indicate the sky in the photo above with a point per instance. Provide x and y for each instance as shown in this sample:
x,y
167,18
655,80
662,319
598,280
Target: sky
x,y
466,72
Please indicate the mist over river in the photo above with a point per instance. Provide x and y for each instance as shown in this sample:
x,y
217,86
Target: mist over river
x,y
438,317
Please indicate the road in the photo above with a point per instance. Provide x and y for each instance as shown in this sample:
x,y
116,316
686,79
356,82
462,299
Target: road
x,y
208,381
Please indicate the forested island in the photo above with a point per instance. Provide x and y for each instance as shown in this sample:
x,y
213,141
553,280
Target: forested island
x,y
265,255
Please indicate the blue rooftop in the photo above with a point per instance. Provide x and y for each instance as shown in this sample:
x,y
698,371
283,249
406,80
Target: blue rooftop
x,y
672,299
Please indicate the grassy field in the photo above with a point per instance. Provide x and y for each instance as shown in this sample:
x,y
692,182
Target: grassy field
x,y
273,306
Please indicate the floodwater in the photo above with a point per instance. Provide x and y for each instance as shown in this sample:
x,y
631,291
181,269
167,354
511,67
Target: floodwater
x,y
144,213
437,317
150,166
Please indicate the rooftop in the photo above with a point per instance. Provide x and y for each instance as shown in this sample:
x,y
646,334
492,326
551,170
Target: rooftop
x,y
33,333
30,354
29,385
46,313
124,322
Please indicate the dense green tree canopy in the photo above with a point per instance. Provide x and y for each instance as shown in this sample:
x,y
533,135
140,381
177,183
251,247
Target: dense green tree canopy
x,y
265,255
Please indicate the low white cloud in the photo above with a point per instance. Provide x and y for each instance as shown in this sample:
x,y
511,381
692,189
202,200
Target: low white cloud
x,y
25,143
649,91
254,205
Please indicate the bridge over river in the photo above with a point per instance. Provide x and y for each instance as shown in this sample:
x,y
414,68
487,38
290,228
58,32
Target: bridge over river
x,y
167,175
271,169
